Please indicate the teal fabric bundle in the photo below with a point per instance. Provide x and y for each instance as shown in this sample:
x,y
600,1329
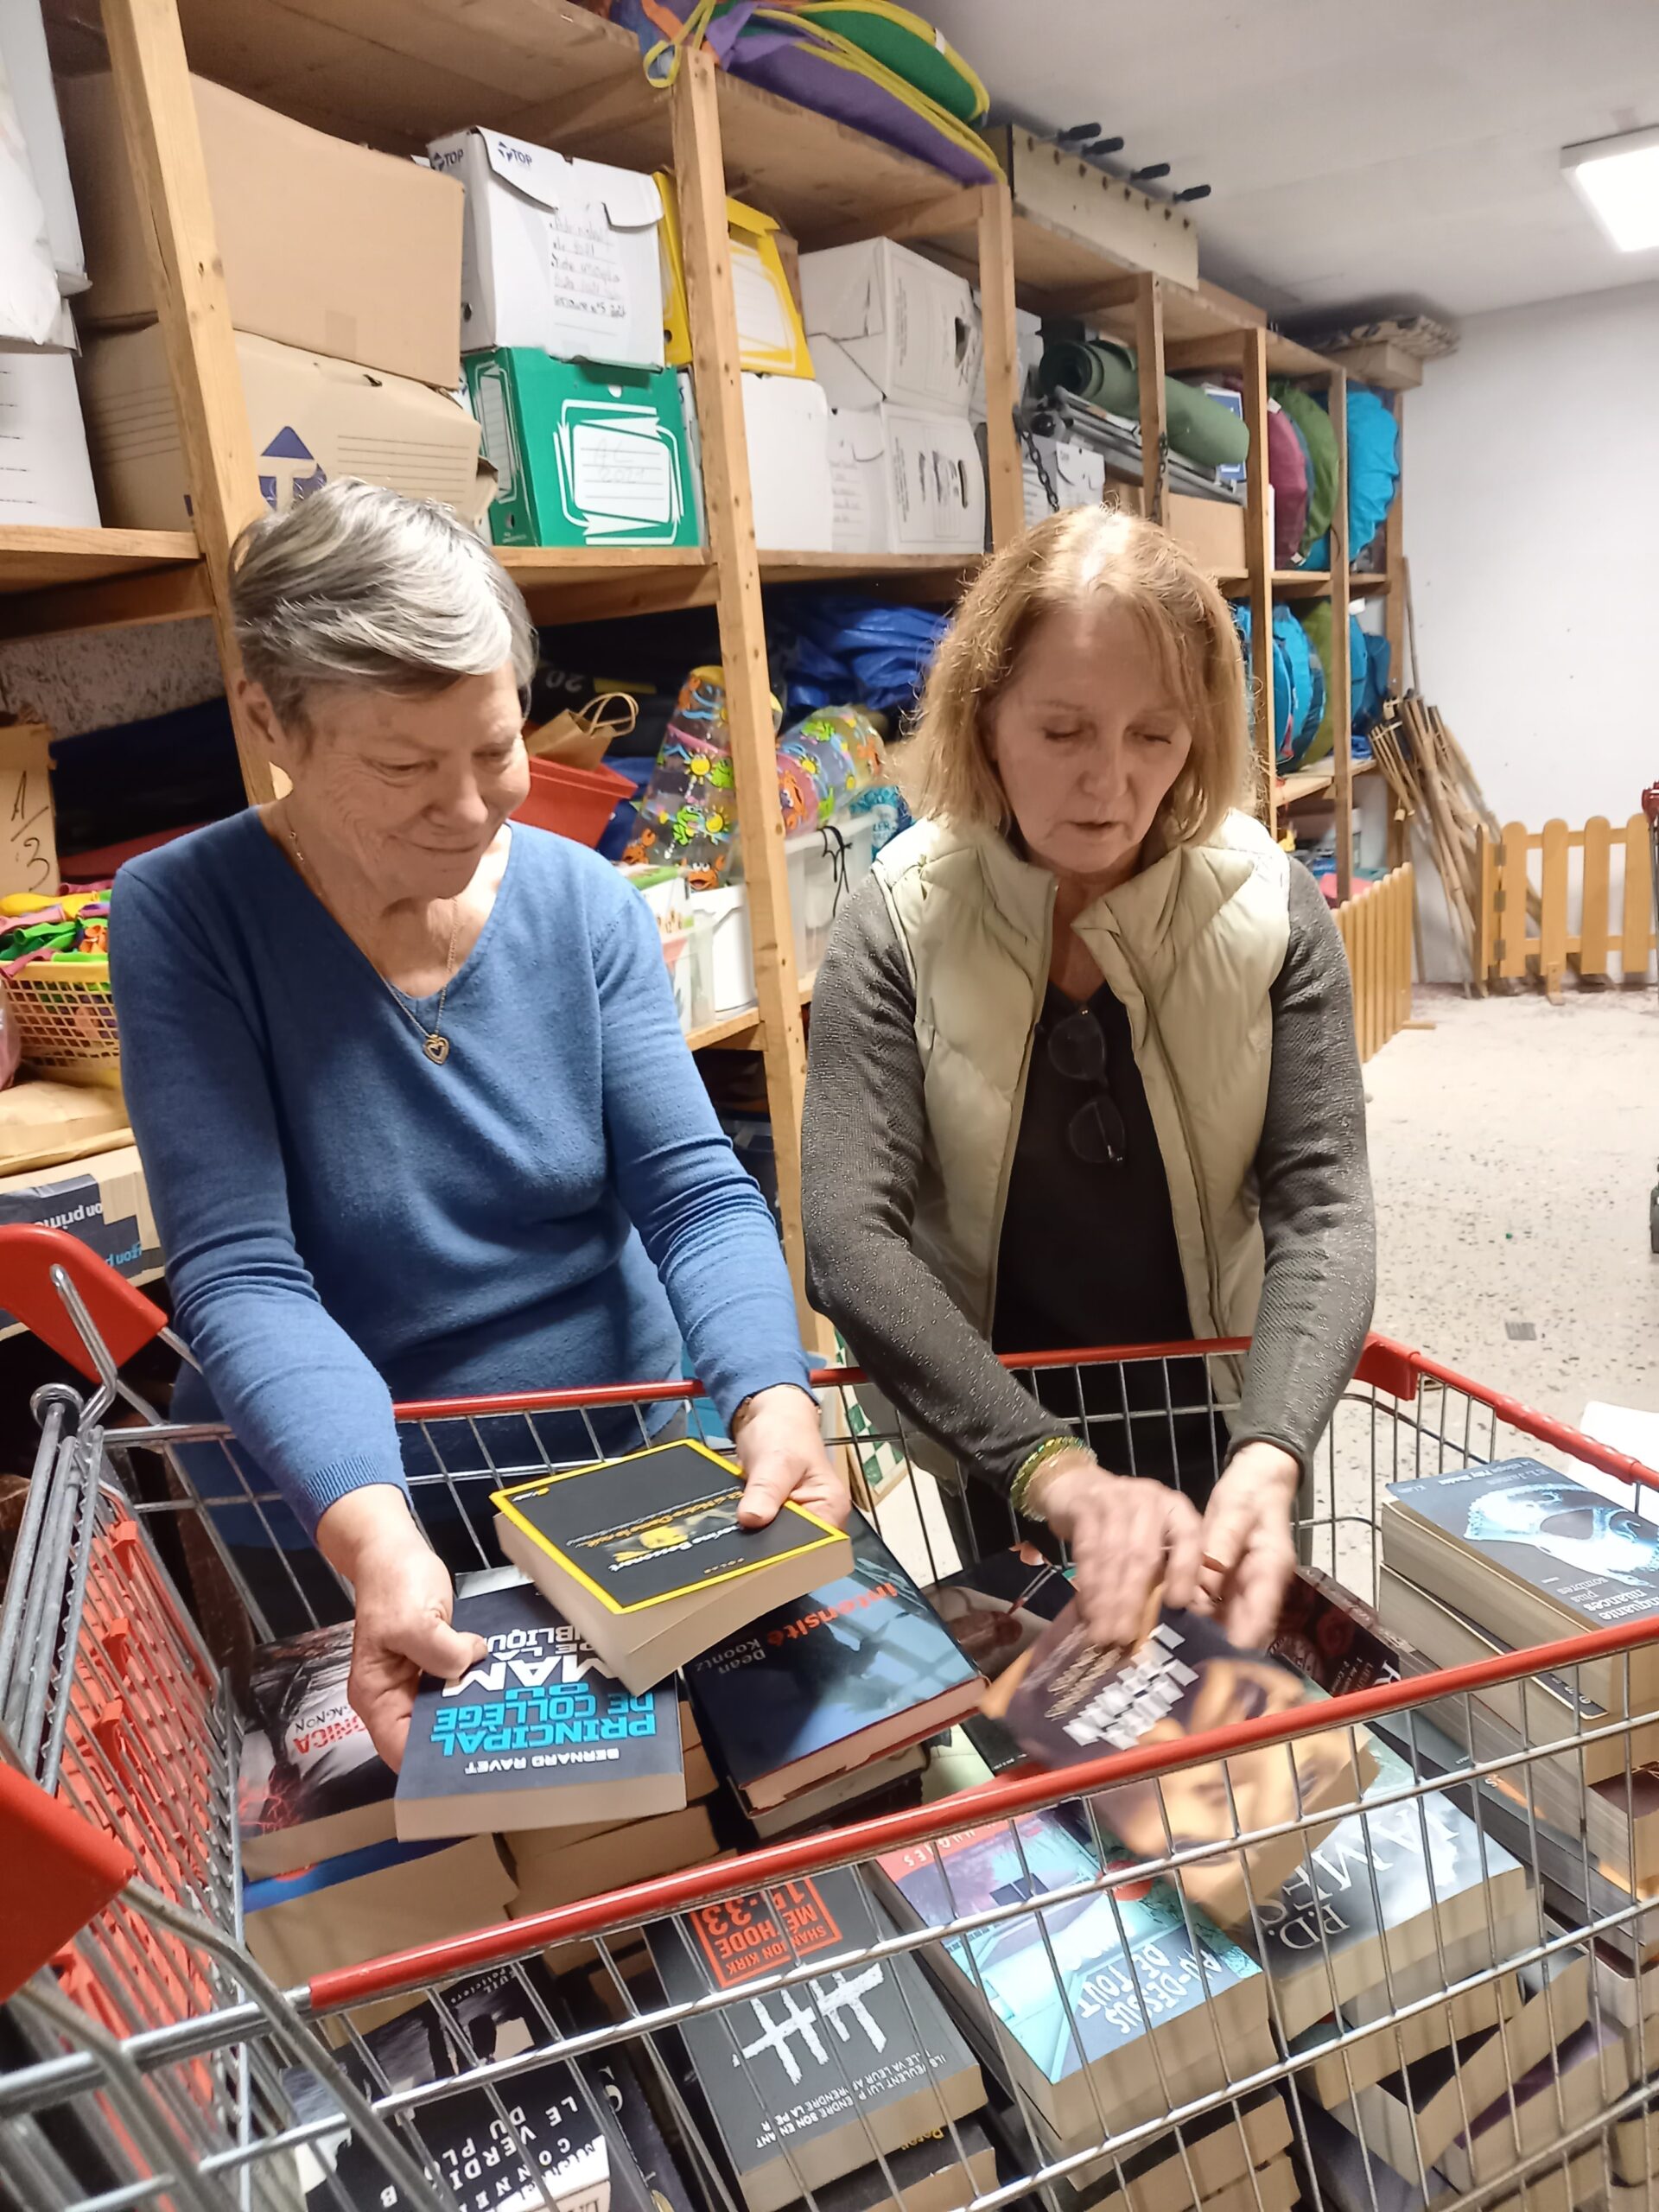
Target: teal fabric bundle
x,y
1298,682
1104,374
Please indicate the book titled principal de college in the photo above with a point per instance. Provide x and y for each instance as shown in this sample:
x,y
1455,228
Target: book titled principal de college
x,y
537,1735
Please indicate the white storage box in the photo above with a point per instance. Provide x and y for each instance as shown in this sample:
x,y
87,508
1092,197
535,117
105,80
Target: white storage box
x,y
556,253
826,866
28,70
32,311
1028,341
721,920
45,475
905,482
786,422
1077,473
884,324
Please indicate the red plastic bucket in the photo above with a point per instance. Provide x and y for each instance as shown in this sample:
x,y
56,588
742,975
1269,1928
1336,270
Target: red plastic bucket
x,y
576,803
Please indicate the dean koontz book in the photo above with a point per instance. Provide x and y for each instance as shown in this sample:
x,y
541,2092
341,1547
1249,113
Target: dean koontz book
x,y
538,1734
853,1672
647,1556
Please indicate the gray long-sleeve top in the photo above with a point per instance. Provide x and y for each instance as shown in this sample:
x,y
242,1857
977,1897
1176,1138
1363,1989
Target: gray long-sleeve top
x,y
863,1147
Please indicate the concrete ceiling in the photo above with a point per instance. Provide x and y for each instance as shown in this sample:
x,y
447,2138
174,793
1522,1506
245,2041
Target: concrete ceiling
x,y
1364,154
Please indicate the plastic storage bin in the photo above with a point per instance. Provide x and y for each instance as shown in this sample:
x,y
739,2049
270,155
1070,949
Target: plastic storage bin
x,y
576,803
826,866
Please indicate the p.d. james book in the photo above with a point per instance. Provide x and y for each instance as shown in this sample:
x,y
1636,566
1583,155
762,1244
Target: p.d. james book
x,y
537,1735
645,1555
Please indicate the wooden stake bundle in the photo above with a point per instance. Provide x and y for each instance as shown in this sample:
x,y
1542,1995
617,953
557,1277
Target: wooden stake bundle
x,y
1430,782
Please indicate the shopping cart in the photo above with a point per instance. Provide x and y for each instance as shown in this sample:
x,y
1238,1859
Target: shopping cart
x,y
146,2061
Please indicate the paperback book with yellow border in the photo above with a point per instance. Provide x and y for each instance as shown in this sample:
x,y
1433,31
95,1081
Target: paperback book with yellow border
x,y
644,1555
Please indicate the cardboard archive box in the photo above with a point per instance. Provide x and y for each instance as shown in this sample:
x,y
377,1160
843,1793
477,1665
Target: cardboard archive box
x,y
313,418
327,246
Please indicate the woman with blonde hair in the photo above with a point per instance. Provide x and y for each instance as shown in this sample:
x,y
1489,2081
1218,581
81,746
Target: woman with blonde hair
x,y
1084,1075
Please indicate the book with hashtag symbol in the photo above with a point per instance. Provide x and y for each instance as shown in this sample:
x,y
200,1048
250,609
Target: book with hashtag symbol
x,y
1109,2004
815,2080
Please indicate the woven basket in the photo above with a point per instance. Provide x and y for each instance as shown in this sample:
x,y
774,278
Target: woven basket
x,y
65,1013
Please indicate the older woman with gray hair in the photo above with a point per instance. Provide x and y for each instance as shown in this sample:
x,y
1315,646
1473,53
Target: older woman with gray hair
x,y
412,1094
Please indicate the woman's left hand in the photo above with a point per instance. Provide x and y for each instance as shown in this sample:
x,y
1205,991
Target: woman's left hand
x,y
1250,1553
781,1450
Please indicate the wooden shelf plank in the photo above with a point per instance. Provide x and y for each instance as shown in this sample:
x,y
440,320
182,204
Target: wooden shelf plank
x,y
739,1031
1316,783
581,583
56,580
1289,584
37,558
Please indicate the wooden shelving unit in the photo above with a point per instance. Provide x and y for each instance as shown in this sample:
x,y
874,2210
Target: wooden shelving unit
x,y
396,76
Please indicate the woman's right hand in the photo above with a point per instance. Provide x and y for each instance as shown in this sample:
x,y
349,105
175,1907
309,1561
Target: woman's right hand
x,y
403,1598
1128,1537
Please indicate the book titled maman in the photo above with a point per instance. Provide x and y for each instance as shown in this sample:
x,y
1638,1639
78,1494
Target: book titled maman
x,y
537,1735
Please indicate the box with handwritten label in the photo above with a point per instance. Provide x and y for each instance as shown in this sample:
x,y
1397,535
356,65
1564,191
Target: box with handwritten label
x,y
556,253
582,455
28,845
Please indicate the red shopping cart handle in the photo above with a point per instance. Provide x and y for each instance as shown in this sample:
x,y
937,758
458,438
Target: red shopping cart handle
x,y
65,1870
123,1316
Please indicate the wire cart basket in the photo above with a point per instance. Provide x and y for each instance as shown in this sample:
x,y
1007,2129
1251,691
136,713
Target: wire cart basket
x,y
1112,2049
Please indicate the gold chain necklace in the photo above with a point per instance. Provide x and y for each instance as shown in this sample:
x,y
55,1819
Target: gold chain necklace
x,y
434,1043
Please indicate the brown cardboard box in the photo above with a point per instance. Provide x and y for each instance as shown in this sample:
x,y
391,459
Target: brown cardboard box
x,y
102,1200
313,418
326,245
1212,531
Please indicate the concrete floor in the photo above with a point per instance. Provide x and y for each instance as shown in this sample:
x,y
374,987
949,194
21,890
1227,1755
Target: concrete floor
x,y
1513,1148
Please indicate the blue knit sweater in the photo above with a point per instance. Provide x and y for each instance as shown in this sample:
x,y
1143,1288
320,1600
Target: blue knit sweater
x,y
345,1224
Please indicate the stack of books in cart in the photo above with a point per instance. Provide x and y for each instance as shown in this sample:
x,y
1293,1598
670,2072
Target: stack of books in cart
x,y
870,2050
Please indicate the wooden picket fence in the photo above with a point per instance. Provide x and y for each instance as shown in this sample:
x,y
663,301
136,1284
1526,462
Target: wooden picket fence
x,y
1525,912
1375,925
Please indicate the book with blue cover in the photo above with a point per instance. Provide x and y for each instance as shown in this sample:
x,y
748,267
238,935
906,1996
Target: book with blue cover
x,y
537,1735
857,1669
1533,1556
1102,2003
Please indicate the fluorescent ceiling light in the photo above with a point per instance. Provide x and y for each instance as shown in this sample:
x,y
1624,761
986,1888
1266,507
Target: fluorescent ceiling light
x,y
1618,179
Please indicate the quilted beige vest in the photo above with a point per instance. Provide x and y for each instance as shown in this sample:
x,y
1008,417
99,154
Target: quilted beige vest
x,y
1191,947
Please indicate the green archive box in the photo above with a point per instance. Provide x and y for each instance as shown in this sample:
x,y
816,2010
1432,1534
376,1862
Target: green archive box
x,y
584,454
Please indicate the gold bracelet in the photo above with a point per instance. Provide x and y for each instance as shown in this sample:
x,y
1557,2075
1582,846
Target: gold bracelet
x,y
1032,1465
